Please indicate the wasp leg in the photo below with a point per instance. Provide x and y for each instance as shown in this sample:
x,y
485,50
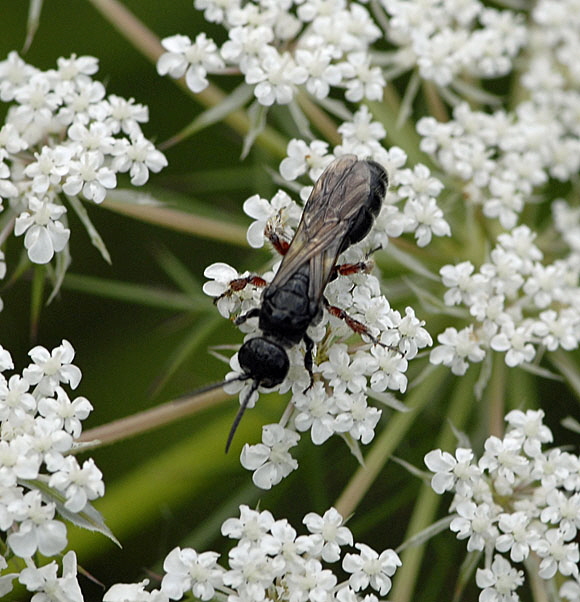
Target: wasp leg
x,y
239,284
280,244
353,324
361,267
253,313
356,326
308,359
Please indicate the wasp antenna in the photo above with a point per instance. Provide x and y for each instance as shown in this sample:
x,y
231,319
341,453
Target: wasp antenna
x,y
213,386
240,413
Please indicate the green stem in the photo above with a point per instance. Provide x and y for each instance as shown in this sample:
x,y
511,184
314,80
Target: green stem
x,y
180,221
149,420
496,395
325,125
407,577
398,426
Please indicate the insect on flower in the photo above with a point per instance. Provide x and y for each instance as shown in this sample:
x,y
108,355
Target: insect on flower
x,y
339,213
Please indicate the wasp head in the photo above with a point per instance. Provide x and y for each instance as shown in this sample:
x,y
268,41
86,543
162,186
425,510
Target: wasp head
x,y
264,361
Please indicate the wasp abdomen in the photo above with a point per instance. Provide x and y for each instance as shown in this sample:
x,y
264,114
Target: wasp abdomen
x,y
287,311
363,221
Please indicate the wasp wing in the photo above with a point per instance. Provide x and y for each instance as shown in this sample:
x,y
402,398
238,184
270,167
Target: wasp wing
x,y
335,200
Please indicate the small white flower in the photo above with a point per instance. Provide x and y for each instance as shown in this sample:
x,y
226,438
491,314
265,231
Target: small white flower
x,y
18,460
362,128
51,165
192,59
94,138
69,414
302,158
38,530
322,74
517,535
281,215
251,525
370,568
389,370
455,347
499,582
188,571
245,44
51,368
45,234
125,115
426,219
44,580
276,77
329,527
558,329
363,80
137,156
270,460
90,177
530,426
476,522
356,417
79,484
556,555
51,441
516,342
344,372
563,510
15,399
315,412
457,472
133,592
413,334
503,457
311,583
251,570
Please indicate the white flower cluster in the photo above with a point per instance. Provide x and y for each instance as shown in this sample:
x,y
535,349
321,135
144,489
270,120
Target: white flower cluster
x,y
517,300
518,499
503,157
518,303
281,46
326,44
38,477
63,136
270,561
453,39
345,374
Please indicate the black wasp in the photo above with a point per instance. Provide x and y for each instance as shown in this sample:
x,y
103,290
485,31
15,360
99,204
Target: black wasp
x,y
339,212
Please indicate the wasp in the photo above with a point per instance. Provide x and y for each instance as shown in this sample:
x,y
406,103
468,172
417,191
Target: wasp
x,y
339,212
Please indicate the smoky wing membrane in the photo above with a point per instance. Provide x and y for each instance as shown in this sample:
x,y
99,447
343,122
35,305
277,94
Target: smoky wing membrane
x,y
335,200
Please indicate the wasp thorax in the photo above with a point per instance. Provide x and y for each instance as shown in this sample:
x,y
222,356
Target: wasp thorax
x,y
264,361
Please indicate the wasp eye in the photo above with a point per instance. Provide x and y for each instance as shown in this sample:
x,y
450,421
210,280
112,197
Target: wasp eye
x,y
264,361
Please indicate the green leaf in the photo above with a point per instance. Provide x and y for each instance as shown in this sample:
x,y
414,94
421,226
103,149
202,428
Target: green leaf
x,y
36,297
58,272
91,230
89,518
427,533
34,10
232,102
136,293
257,114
